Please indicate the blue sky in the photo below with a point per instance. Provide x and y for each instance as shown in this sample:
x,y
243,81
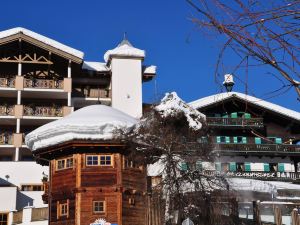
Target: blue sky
x,y
184,56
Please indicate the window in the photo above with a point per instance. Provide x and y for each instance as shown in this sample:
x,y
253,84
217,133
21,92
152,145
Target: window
x,y
99,206
64,164
32,187
99,160
63,208
223,139
3,218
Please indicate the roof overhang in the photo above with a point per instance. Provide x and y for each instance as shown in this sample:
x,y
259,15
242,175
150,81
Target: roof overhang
x,y
49,44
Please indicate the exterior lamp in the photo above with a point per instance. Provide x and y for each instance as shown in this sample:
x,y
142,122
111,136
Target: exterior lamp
x,y
228,82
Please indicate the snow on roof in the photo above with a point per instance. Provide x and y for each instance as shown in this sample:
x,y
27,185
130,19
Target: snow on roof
x,y
124,49
43,39
95,122
171,105
241,184
149,69
206,101
95,66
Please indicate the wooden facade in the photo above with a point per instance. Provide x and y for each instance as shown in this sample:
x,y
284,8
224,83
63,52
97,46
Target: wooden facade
x,y
87,183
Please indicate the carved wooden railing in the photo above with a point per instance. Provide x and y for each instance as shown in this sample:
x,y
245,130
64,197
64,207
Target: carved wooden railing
x,y
219,121
7,82
39,214
257,147
7,110
17,217
43,111
93,93
6,138
43,83
256,175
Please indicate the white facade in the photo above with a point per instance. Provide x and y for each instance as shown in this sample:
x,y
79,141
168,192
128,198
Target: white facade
x,y
127,98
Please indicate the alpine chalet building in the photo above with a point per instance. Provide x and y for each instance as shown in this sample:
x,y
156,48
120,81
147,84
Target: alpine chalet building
x,y
42,80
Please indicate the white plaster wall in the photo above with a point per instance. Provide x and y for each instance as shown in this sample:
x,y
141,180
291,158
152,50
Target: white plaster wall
x,y
8,199
36,197
22,172
127,86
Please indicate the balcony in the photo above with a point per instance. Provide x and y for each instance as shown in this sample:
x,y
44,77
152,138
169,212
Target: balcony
x,y
88,96
43,111
7,110
6,138
29,215
7,82
236,122
260,149
280,176
43,83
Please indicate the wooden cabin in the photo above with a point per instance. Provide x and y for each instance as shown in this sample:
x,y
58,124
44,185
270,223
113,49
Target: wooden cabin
x,y
91,179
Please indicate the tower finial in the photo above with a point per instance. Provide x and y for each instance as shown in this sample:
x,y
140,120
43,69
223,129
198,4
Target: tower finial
x,y
125,36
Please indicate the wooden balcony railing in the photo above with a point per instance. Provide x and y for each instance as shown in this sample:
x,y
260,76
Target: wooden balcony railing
x,y
257,147
46,191
257,175
7,82
7,110
17,217
6,139
39,214
43,83
43,111
92,93
219,121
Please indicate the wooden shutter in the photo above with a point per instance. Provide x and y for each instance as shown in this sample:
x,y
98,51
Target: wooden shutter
x,y
235,140
227,139
257,140
218,139
266,167
232,166
234,115
247,166
244,140
281,167
247,115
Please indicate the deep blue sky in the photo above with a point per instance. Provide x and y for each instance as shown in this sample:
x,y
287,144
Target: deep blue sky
x,y
184,56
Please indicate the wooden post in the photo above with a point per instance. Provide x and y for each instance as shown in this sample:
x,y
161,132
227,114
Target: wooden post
x,y
278,216
295,218
256,212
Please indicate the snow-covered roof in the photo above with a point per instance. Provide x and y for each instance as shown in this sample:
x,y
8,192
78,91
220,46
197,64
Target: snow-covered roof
x,y
95,66
124,49
171,105
41,38
95,122
241,184
206,101
149,69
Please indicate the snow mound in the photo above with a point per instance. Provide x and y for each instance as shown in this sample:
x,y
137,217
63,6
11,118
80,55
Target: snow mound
x,y
124,49
171,105
95,122
43,39
95,66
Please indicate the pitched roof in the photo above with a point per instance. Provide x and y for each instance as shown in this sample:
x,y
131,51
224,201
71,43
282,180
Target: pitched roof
x,y
95,66
213,99
41,38
124,49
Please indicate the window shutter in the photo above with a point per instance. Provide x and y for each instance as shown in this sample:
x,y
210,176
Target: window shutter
x,y
257,140
218,139
235,140
232,166
266,167
218,166
234,115
278,140
247,115
281,167
227,139
198,165
184,166
225,115
247,167
244,140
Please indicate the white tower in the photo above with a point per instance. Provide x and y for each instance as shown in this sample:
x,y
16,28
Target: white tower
x,y
125,62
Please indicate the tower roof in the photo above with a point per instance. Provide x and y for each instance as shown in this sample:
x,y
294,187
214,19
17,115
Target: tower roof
x,y
95,122
124,49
